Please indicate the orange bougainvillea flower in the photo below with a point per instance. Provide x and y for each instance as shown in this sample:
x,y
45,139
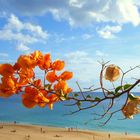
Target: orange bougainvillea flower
x,y
39,58
33,97
25,62
51,76
58,65
28,102
37,83
37,55
25,76
8,82
16,67
112,73
8,86
5,93
42,100
66,75
45,62
52,99
28,73
6,69
62,86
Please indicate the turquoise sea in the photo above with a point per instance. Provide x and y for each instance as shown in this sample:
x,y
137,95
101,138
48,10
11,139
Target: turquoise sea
x,y
12,110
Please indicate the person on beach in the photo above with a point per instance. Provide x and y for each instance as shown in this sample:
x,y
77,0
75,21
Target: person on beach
x,y
41,129
126,133
71,129
27,137
109,135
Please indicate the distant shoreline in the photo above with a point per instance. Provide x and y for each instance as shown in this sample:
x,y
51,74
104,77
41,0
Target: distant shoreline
x,y
15,131
63,127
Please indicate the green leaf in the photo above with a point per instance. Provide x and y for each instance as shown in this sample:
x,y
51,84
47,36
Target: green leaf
x,y
97,98
79,103
66,95
118,88
75,94
111,92
88,96
63,96
48,87
126,86
132,97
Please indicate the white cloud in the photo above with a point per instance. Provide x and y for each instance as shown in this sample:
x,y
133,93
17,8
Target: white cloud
x,y
84,67
22,47
129,11
108,32
22,32
16,25
59,38
79,12
76,3
100,53
78,57
86,36
19,37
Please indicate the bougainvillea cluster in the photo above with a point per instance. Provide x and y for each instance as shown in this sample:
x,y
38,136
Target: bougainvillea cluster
x,y
21,78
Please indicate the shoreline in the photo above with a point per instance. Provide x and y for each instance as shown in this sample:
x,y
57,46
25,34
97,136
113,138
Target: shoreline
x,y
53,126
17,131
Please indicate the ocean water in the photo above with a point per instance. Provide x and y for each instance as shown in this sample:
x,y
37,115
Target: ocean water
x,y
12,110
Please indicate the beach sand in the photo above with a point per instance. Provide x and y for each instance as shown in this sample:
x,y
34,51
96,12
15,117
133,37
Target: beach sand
x,y
34,132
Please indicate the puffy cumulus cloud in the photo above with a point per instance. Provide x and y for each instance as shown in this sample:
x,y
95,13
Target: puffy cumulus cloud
x,y
79,12
23,33
19,37
15,24
22,47
129,11
108,32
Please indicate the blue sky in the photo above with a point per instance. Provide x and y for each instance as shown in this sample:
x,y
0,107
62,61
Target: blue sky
x,y
81,32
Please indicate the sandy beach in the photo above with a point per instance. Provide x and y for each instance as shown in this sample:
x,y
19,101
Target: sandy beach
x,y
34,132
